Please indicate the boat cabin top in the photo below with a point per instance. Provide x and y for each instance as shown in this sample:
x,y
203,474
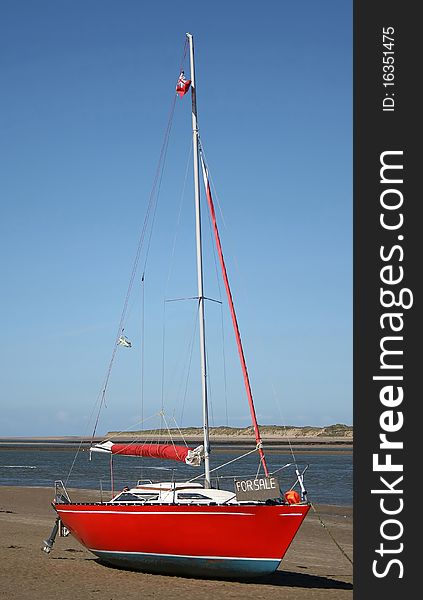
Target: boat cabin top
x,y
168,492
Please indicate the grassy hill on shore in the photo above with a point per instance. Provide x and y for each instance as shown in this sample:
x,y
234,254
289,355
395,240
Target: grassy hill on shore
x,y
336,431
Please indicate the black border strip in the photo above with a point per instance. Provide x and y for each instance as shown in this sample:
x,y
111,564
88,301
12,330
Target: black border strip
x,y
377,131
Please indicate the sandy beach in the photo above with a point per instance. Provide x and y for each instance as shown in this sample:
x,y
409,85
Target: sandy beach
x,y
314,568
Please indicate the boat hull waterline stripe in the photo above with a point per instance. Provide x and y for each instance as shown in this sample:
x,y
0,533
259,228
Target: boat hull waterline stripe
x,y
181,555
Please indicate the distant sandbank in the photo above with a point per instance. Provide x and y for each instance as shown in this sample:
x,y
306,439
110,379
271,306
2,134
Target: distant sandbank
x,y
224,444
274,437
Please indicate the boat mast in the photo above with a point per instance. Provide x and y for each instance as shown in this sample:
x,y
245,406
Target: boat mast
x,y
199,267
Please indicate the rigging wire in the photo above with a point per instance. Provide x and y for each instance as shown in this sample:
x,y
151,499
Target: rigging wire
x,y
216,268
236,270
171,262
150,214
163,362
167,144
152,205
132,426
234,317
178,220
224,465
190,351
284,425
215,194
78,450
179,430
233,258
142,345
209,393
170,434
225,385
100,401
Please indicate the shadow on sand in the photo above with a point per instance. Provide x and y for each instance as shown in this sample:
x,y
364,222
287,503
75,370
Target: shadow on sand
x,y
302,580
289,579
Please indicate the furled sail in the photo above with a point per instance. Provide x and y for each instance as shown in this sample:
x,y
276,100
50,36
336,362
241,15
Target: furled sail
x,y
190,456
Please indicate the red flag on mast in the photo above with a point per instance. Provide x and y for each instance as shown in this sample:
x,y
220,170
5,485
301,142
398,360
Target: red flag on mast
x,y
183,85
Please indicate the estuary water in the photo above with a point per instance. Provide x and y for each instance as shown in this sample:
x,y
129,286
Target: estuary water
x,y
328,476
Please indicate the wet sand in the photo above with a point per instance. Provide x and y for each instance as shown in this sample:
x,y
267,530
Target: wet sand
x,y
313,569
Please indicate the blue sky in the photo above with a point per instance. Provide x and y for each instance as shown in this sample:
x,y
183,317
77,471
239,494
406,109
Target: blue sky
x,y
86,93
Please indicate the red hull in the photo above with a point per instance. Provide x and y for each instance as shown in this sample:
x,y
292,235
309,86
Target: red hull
x,y
255,535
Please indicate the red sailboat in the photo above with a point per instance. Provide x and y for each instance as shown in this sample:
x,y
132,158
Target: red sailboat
x,y
188,527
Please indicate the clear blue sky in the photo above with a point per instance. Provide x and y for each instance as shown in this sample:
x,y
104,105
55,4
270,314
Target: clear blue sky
x,y
86,93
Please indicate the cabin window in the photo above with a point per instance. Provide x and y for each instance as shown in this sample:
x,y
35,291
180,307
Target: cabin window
x,y
192,496
148,496
128,497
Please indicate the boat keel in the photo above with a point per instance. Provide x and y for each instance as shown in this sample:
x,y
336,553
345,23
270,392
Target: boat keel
x,y
192,566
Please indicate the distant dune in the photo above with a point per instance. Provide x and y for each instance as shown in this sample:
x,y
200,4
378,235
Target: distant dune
x,y
329,434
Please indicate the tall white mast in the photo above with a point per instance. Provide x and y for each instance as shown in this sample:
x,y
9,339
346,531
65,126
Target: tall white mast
x,y
199,267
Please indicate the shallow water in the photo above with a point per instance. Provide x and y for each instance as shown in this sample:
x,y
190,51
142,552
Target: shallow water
x,y
328,477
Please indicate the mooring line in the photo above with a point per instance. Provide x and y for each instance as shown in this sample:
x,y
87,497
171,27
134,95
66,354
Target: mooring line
x,y
330,534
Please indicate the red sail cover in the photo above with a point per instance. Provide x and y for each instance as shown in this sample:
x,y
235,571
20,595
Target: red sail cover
x,y
168,451
183,85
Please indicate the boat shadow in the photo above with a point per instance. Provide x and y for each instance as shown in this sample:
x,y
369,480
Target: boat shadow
x,y
289,579
304,580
